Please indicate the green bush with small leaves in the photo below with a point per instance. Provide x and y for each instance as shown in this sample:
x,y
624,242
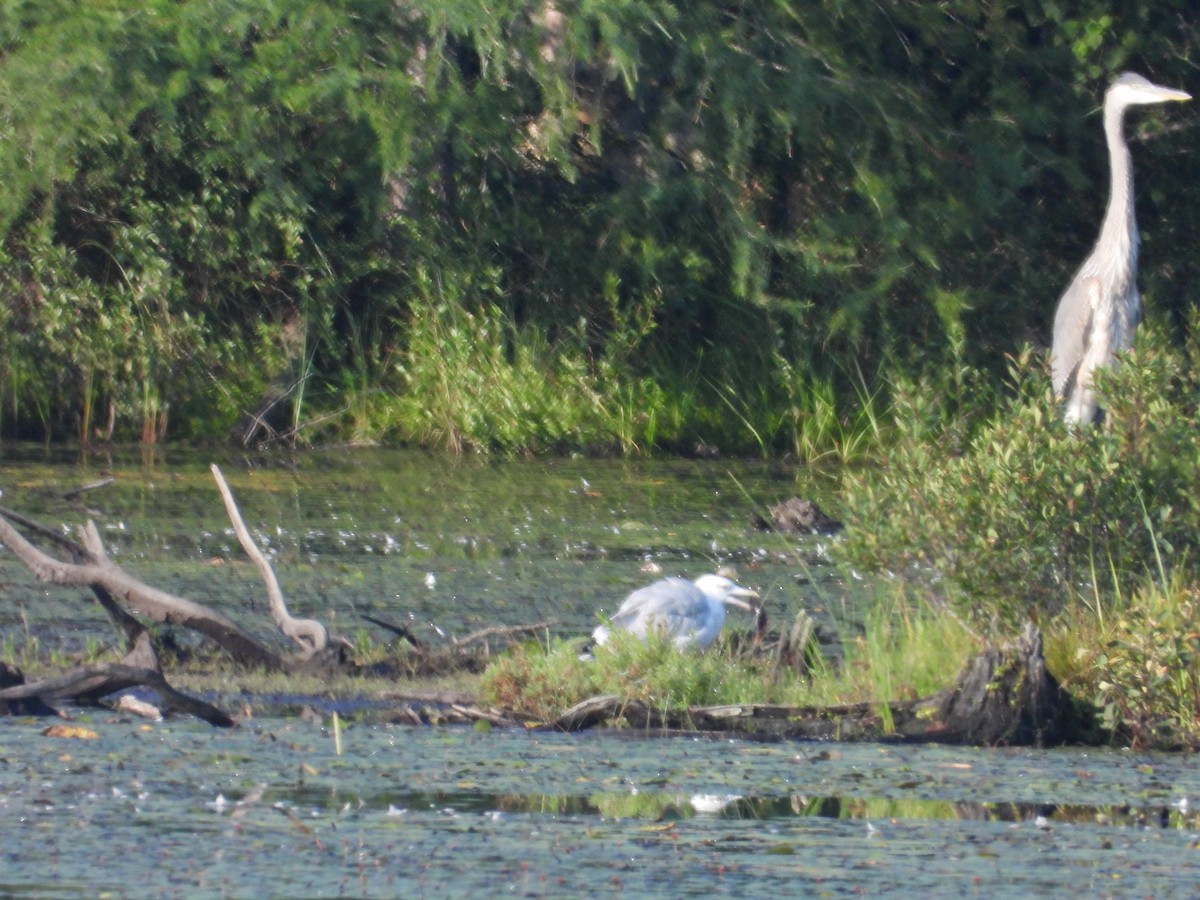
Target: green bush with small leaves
x,y
1022,514
1146,676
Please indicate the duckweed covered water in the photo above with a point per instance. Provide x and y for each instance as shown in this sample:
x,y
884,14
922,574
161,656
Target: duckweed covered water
x,y
441,544
268,810
445,545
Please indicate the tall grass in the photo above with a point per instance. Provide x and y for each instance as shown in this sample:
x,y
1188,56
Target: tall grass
x,y
909,647
906,650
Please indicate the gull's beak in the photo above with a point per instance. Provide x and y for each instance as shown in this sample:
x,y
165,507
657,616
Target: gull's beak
x,y
733,598
760,614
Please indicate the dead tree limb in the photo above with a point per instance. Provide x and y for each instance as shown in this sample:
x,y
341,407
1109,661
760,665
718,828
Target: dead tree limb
x,y
137,596
92,682
308,633
88,684
129,625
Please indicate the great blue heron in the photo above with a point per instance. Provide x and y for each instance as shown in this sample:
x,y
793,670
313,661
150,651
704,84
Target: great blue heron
x,y
689,612
1099,312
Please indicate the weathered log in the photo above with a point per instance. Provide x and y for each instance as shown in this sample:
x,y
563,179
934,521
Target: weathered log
x,y
1004,696
88,684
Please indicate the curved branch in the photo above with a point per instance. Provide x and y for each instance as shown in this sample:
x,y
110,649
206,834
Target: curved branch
x,y
308,633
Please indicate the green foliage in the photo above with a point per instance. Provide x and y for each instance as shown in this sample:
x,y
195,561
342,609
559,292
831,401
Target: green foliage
x,y
1021,515
1147,675
1137,658
714,218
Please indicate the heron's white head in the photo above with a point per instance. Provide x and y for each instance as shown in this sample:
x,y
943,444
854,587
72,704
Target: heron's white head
x,y
725,590
1130,89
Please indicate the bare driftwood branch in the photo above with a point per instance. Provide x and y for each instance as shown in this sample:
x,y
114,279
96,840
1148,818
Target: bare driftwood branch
x,y
129,626
136,595
308,633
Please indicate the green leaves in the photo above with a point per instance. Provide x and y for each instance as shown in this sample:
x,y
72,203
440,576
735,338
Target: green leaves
x,y
1027,515
783,195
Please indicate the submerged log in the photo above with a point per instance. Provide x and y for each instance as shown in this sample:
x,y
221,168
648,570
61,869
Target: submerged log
x,y
797,516
1003,696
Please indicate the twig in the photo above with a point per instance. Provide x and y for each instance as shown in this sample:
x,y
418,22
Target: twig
x,y
90,486
506,631
400,630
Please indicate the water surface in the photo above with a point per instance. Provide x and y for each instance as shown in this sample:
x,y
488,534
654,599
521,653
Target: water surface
x,y
449,546
269,810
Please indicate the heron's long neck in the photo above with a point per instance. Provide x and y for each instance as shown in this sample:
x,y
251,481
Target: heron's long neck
x,y
1118,234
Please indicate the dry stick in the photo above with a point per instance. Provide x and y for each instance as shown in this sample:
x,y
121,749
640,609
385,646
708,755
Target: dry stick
x,y
399,630
506,631
90,486
308,633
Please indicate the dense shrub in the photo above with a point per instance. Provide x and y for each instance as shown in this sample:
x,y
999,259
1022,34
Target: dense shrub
x,y
1022,514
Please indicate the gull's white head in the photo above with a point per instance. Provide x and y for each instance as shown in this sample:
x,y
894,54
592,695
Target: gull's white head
x,y
724,590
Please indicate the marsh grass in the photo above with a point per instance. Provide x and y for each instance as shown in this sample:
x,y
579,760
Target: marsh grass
x,y
906,650
909,647
473,379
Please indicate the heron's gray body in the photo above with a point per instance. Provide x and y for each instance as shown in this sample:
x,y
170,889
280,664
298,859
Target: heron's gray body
x,y
1100,310
689,612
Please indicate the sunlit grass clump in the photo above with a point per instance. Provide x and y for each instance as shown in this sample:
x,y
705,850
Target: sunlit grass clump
x,y
545,680
907,650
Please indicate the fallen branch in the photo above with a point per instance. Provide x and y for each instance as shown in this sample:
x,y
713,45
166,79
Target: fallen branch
x,y
76,492
102,680
88,684
137,596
